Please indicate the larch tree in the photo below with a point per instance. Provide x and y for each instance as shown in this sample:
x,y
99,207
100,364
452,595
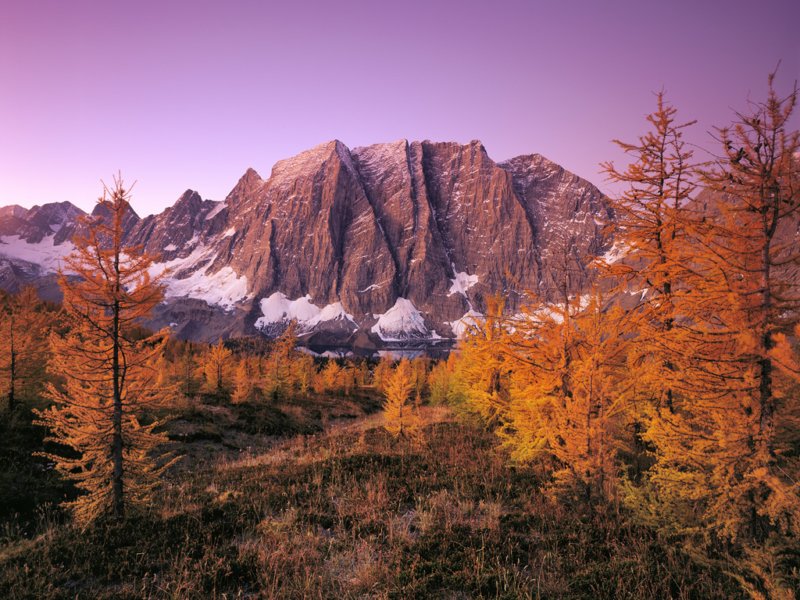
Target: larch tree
x,y
110,375
362,374
731,448
441,379
348,379
652,222
304,371
419,370
24,324
217,367
381,373
400,418
568,401
329,379
279,377
245,380
483,369
187,366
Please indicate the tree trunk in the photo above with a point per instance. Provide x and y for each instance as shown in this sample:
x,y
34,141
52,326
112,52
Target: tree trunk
x,y
766,400
116,444
13,369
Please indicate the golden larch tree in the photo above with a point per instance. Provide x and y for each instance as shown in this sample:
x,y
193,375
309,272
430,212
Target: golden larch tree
x,y
110,376
441,379
653,219
279,377
400,417
329,379
217,366
304,370
381,373
729,451
568,406
483,369
24,325
245,380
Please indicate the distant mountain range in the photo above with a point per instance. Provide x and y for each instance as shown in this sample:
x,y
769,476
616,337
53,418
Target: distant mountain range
x,y
385,245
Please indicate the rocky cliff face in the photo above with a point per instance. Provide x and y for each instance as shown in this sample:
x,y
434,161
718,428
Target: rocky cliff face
x,y
374,245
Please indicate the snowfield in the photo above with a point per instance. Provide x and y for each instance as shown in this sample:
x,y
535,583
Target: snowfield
x,y
277,308
223,288
402,322
462,282
460,327
46,254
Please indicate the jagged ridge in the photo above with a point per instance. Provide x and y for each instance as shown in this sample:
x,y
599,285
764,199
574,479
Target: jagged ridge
x,y
420,231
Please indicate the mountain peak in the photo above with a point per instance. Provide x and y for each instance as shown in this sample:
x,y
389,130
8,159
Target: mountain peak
x,y
13,210
250,175
190,198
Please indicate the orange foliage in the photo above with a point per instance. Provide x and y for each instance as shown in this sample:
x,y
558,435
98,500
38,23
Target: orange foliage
x,y
110,376
400,418
23,349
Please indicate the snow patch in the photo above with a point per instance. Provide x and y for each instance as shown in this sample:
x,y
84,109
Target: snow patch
x,y
223,288
170,248
402,322
215,211
617,252
277,308
332,312
463,325
462,282
229,232
190,277
45,253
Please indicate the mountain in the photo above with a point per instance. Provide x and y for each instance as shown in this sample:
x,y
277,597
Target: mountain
x,y
373,246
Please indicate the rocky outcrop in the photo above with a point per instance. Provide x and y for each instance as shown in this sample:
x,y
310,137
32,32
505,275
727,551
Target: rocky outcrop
x,y
383,243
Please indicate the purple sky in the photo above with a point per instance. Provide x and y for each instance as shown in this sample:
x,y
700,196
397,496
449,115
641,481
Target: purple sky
x,y
181,94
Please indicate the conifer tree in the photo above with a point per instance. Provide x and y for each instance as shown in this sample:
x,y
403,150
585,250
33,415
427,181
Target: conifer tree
x,y
304,370
441,379
483,371
730,446
568,404
348,379
245,379
23,345
362,374
329,378
400,418
382,372
279,377
419,370
188,368
652,223
217,369
110,376
550,382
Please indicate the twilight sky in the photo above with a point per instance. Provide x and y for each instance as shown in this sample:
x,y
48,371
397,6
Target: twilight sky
x,y
188,94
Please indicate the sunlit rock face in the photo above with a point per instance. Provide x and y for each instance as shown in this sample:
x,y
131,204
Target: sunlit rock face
x,y
382,244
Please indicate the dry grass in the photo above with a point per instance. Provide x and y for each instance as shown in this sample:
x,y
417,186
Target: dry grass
x,y
348,512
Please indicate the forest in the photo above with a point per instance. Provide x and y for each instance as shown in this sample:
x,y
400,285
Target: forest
x,y
640,438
